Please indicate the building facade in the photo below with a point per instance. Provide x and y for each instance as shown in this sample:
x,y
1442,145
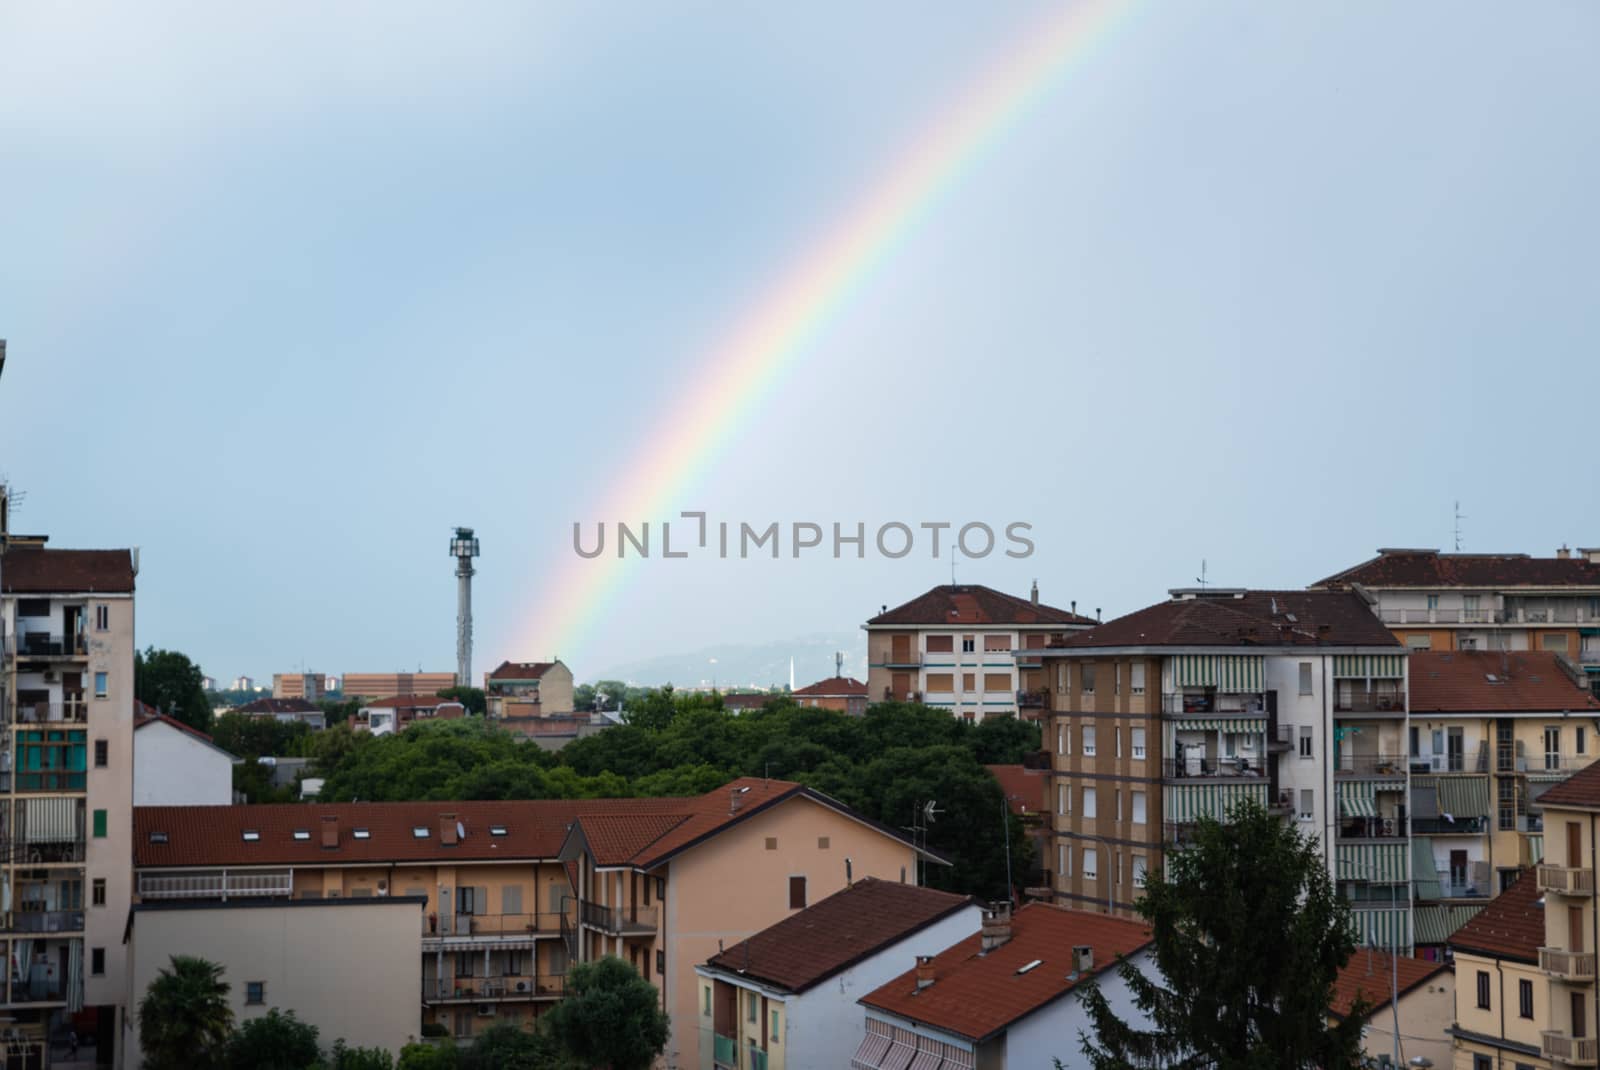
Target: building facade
x,y
965,648
396,714
1295,700
306,685
285,709
843,693
380,684
66,782
1439,601
176,765
520,690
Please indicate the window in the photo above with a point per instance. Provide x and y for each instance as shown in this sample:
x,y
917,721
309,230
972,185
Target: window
x,y
1483,990
1525,998
255,992
752,1004
1138,871
464,961
1308,804
997,644
511,898
967,644
362,834
772,843
1136,736
466,900
99,824
419,832
1063,738
1138,808
158,837
997,681
1088,677
1433,601
1469,603
822,845
497,830
940,644
302,834
661,961
941,681
1088,741
97,892
1305,678
102,618
1088,802
97,961
250,835
1061,859
1580,742
1136,678
1556,641
1117,794
705,1000
1552,748
1416,741
102,753
1116,677
1091,864
1063,797
797,893
1482,1062
969,681
772,1034
1063,677
1116,739
1419,642
102,686
1305,741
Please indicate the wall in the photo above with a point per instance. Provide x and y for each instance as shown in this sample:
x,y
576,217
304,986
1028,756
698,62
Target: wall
x,y
732,886
555,690
173,768
1425,1012
110,789
1052,1031
1504,975
349,968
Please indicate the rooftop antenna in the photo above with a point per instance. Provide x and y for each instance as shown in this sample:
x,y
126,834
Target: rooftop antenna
x,y
1459,518
1201,579
838,663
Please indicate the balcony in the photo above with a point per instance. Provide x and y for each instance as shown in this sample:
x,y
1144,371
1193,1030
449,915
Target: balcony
x,y
44,646
1392,702
620,921
1438,826
44,854
1211,704
44,921
1562,1048
1447,616
1370,766
493,989
1212,768
725,1052
1560,880
903,660
1590,654
492,927
1465,761
1030,700
1567,965
757,1058
216,884
74,711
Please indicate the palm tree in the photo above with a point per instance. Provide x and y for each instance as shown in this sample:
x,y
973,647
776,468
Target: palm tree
x,y
184,1018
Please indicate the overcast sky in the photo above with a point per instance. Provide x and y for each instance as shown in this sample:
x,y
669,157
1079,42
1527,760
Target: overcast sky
x,y
291,291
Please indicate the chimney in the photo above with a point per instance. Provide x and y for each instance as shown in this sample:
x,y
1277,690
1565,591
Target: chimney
x,y
1097,614
447,829
1035,592
735,798
996,926
924,971
330,832
1563,553
1074,607
1082,958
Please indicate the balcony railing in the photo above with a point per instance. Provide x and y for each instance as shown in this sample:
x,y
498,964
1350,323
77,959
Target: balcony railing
x,y
1371,765
1564,881
1466,761
71,712
758,1058
1567,965
1369,702
1563,1048
1438,826
1211,767
44,645
1030,700
617,919
44,921
42,990
902,660
1462,890
1589,655
1447,616
43,854
725,1052
215,885
1208,704
546,923
486,989
891,695
51,780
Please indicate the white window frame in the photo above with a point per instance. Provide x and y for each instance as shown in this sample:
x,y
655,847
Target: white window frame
x,y
1086,739
1140,869
1307,684
1136,678
1091,864
1137,739
1091,803
1307,747
1140,807
1308,795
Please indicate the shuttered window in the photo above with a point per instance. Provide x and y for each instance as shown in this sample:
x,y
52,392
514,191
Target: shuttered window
x,y
941,681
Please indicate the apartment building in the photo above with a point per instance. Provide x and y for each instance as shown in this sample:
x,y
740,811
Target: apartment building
x,y
1439,601
785,998
1502,995
1489,734
1567,956
843,693
514,892
1293,699
396,714
305,685
965,648
66,784
176,765
518,690
286,710
379,684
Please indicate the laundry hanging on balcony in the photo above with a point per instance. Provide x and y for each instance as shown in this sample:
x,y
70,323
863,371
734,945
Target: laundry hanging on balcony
x,y
1228,673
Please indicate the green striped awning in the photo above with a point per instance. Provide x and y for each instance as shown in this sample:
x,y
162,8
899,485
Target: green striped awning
x,y
1383,928
1436,923
1184,803
1221,724
1357,798
1535,850
1464,796
1375,863
1424,870
1228,673
1369,666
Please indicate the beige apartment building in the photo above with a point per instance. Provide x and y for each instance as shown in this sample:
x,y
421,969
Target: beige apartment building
x,y
965,648
1440,601
66,784
304,685
1292,699
520,690
513,893
384,684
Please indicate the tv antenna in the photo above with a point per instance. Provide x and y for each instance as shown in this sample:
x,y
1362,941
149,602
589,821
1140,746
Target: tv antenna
x,y
1459,518
1201,579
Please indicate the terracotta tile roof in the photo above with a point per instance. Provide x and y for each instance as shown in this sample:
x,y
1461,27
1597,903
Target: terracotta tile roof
x,y
834,687
975,995
1581,790
1027,790
1430,568
1511,926
1473,681
146,715
410,702
969,603
615,839
521,670
39,570
834,934
1245,619
278,705
1369,975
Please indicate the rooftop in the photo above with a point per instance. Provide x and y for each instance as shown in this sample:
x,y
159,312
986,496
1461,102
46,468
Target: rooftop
x,y
1430,568
834,687
410,702
976,995
521,670
1369,975
278,705
1245,619
834,934
1511,926
38,570
1581,791
1472,681
1026,789
968,603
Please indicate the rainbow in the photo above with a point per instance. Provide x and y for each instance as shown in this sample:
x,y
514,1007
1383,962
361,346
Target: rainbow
x,y
768,339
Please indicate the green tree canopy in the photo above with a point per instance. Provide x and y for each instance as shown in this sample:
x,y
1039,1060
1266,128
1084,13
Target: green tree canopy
x,y
472,698
273,1042
172,683
184,1017
611,1017
1249,934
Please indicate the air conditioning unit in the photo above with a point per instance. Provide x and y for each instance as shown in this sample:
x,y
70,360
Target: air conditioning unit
x,y
49,676
1440,762
522,986
486,1010
1388,826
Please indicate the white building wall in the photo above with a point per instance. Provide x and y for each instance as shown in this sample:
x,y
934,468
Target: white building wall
x,y
173,768
1052,1032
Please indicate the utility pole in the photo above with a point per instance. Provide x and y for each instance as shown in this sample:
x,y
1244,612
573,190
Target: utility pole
x,y
464,547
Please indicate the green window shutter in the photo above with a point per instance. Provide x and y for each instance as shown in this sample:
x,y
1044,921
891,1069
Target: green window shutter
x,y
99,824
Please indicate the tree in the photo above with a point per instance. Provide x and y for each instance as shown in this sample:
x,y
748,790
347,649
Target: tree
x,y
1249,934
611,1017
184,1018
505,1047
344,1057
428,1057
470,697
273,1042
172,683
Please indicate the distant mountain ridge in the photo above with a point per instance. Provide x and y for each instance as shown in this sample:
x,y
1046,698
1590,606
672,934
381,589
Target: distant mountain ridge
x,y
741,666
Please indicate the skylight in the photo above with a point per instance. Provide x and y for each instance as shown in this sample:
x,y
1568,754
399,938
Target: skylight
x,y
158,837
362,834
302,834
420,831
497,830
251,835
1032,965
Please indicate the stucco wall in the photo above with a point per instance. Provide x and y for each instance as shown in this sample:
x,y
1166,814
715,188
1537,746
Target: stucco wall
x,y
109,857
173,768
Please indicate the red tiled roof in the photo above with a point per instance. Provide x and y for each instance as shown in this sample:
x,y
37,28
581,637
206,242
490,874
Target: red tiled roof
x,y
1430,568
1027,790
411,702
1460,680
614,839
521,670
1245,619
278,705
145,715
969,603
1581,790
1369,975
39,570
827,937
834,687
1511,926
975,995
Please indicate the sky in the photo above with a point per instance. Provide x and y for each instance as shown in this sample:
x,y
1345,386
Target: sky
x,y
291,292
